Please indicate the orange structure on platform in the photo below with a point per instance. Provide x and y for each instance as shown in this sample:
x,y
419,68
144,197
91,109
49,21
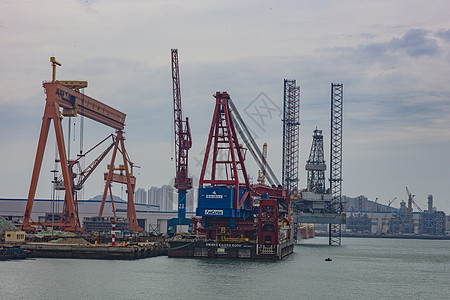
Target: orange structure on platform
x,y
65,95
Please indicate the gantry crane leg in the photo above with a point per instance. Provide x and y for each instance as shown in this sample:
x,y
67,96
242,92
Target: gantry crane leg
x,y
109,177
129,180
51,113
131,210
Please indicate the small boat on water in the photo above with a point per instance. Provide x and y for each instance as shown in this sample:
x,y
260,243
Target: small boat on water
x,y
13,253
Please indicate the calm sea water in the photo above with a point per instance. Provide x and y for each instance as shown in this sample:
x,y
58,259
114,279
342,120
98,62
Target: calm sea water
x,y
360,269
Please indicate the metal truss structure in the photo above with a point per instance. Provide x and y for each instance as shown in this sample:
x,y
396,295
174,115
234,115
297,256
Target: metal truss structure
x,y
227,154
315,165
291,130
337,101
64,99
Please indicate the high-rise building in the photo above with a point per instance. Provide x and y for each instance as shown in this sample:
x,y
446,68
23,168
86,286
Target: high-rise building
x,y
140,196
165,196
359,203
152,196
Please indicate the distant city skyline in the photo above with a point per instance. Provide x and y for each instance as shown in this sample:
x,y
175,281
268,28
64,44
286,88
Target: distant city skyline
x,y
164,197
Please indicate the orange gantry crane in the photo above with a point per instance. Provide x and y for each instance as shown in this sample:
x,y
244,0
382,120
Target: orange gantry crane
x,y
64,99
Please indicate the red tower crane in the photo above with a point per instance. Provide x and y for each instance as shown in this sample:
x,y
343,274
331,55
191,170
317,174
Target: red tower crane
x,y
183,143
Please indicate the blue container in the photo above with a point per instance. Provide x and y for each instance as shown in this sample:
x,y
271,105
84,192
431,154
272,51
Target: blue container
x,y
218,201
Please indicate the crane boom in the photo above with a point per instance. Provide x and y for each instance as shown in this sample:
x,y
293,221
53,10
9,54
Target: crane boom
x,y
183,141
410,210
385,215
249,141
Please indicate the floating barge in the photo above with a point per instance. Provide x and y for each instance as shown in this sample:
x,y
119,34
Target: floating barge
x,y
193,247
129,252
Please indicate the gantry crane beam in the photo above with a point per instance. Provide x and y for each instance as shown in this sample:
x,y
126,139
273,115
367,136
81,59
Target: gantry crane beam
x,y
95,110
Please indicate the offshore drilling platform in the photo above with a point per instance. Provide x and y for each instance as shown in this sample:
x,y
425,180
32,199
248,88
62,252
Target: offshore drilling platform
x,y
315,204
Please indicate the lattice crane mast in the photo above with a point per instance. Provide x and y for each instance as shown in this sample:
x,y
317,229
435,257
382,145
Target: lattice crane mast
x,y
291,134
183,141
337,105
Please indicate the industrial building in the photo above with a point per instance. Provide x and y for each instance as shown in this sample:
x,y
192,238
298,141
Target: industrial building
x,y
148,216
369,217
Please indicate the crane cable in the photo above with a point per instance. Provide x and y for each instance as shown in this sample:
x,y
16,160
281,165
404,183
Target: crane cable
x,y
81,156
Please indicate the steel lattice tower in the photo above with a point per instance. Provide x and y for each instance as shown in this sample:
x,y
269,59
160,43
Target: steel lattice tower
x,y
316,164
337,99
291,123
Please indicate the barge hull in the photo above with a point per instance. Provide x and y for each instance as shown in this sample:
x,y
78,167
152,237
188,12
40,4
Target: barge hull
x,y
93,252
214,249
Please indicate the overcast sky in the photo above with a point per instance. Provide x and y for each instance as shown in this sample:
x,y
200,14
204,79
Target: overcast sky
x,y
393,58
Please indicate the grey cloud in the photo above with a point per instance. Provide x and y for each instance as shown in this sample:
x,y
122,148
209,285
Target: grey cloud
x,y
444,34
415,43
368,36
